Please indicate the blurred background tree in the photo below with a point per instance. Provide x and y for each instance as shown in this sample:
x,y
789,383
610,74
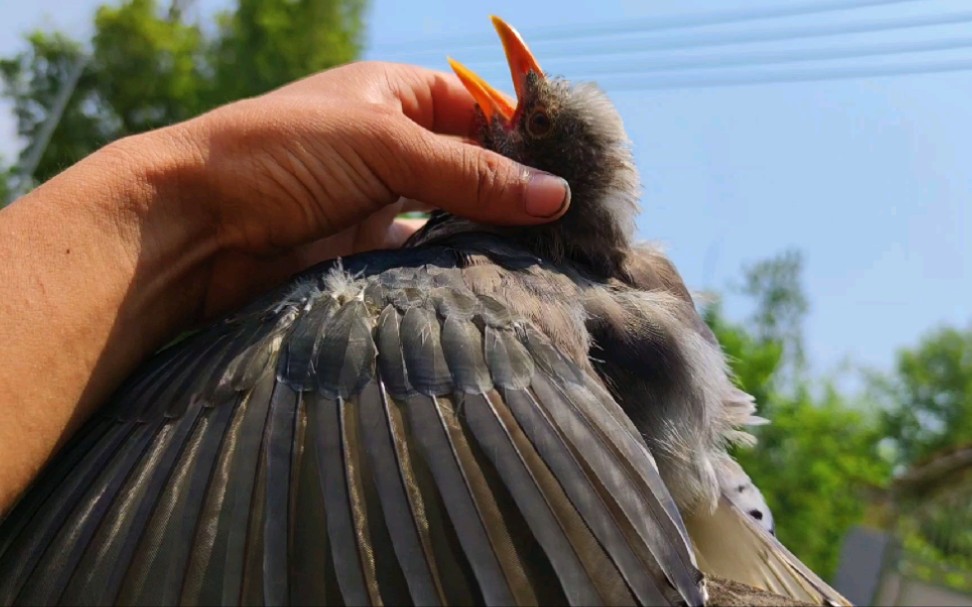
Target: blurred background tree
x,y
827,454
926,414
147,65
818,459
6,180
927,401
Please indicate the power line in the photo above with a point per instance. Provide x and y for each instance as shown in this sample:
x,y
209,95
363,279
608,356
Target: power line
x,y
789,76
788,56
768,35
658,24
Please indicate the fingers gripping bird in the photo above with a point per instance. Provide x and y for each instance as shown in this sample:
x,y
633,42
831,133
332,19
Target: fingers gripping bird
x,y
490,415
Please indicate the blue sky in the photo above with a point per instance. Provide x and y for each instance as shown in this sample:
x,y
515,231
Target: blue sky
x,y
869,177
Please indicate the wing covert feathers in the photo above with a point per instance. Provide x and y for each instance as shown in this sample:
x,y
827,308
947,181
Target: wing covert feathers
x,y
392,438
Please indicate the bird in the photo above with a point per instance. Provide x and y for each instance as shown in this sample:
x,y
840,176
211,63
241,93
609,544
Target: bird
x,y
488,415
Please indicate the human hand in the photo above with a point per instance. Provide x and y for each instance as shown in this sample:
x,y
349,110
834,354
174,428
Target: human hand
x,y
163,230
313,170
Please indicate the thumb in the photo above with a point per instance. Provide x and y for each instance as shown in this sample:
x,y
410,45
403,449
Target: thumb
x,y
473,182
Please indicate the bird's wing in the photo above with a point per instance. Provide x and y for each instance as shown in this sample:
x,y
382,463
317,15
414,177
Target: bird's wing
x,y
386,438
736,540
730,544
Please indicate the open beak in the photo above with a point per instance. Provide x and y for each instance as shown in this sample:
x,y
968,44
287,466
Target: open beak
x,y
522,63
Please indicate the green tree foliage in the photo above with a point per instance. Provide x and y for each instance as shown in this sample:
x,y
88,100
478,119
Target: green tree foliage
x,y
927,410
146,66
149,67
816,463
6,182
264,44
928,398
754,361
781,305
818,457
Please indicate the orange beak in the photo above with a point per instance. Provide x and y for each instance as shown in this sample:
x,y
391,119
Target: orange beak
x,y
522,63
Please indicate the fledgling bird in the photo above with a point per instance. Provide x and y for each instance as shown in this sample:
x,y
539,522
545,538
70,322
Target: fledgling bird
x,y
490,415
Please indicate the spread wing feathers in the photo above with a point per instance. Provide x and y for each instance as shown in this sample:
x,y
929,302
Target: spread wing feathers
x,y
731,545
384,439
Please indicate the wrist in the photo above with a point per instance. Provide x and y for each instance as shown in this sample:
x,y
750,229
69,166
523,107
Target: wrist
x,y
122,225
155,212
103,263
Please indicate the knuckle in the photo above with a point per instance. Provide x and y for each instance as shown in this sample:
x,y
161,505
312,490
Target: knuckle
x,y
368,68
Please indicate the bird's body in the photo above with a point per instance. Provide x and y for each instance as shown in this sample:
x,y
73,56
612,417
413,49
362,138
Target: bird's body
x,y
490,415
421,426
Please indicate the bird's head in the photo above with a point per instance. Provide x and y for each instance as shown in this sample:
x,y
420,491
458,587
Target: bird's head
x,y
573,131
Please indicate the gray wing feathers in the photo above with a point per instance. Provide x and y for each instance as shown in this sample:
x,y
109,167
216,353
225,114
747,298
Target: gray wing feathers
x,y
401,441
329,421
584,571
402,507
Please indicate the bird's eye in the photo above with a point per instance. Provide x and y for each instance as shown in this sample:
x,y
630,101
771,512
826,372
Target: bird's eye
x,y
538,124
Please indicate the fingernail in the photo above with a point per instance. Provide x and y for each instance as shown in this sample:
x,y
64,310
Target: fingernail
x,y
545,195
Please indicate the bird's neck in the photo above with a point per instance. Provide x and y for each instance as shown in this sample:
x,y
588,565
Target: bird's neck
x,y
597,248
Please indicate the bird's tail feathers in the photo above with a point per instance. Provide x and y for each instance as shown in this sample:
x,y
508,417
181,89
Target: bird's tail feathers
x,y
729,544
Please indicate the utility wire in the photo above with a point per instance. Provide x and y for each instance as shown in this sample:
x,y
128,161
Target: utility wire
x,y
628,48
632,83
635,67
789,76
773,57
655,24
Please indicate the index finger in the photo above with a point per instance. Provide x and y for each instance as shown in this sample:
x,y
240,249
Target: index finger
x,y
434,99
